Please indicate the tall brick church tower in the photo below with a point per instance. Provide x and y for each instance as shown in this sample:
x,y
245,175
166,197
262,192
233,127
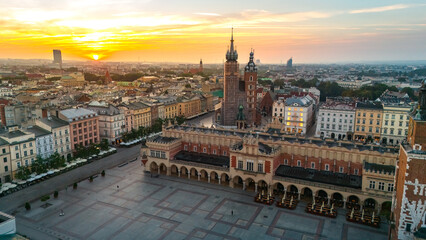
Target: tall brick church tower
x,y
409,201
239,95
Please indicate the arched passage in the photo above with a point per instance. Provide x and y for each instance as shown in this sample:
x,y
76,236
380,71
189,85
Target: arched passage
x,y
163,169
337,199
353,202
214,177
262,186
203,175
194,173
250,184
174,170
224,179
322,196
238,182
184,172
306,194
153,167
370,204
279,188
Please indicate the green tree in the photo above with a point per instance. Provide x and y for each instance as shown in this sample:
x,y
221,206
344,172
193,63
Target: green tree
x,y
104,144
410,93
187,85
23,173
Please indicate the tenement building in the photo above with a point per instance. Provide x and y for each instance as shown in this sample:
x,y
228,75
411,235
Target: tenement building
x,y
409,204
84,126
336,120
341,172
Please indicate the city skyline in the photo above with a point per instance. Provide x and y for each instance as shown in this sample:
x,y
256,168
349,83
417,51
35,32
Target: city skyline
x,y
164,31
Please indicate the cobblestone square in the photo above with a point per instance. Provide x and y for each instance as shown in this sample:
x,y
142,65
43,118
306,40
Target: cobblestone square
x,y
175,208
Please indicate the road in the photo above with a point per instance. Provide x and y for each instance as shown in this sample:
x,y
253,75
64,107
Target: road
x,y
31,193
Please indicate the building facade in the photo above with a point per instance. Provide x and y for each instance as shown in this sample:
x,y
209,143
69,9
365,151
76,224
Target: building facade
x,y
44,141
111,121
395,123
368,121
336,120
60,130
22,148
274,163
5,162
298,114
84,126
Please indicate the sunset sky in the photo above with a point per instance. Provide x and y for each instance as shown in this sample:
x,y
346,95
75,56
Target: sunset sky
x,y
187,30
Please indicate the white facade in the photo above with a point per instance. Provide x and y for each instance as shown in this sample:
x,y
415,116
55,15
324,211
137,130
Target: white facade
x,y
335,121
298,114
44,146
60,130
395,123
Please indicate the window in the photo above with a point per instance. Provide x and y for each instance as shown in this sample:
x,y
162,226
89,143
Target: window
x,y
224,153
163,154
372,184
327,167
214,151
356,171
18,164
341,169
260,167
5,159
249,166
381,186
390,187
195,148
299,163
185,147
31,144
4,150
6,168
312,165
285,161
16,148
204,150
408,227
240,164
26,162
31,152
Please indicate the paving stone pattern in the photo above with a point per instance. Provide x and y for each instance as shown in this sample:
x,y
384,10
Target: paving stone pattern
x,y
170,208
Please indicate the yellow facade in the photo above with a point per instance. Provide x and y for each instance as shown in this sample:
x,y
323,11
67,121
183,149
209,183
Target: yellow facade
x,y
368,123
171,110
142,117
189,108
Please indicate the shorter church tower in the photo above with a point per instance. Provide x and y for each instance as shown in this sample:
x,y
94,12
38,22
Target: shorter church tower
x,y
250,80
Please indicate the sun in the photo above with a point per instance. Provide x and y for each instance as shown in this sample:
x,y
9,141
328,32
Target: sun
x,y
95,56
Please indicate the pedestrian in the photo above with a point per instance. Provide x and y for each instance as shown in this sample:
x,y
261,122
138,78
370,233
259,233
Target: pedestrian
x,y
232,212
118,188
